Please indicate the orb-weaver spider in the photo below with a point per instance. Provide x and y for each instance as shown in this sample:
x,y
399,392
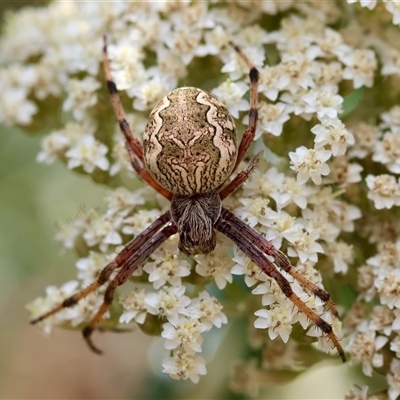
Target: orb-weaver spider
x,y
189,152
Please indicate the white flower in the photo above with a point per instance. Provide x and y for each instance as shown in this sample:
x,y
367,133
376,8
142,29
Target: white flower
x,y
122,201
320,221
186,332
244,266
169,302
387,284
166,267
391,119
245,379
360,66
310,163
278,319
134,305
393,377
366,136
387,151
256,211
272,81
303,243
150,93
342,255
183,42
184,366
131,77
86,309
343,172
365,3
391,62
217,264
290,191
58,142
90,267
324,102
88,153
276,231
272,293
52,146
208,310
324,342
123,54
54,296
384,320
15,108
214,40
387,258
137,223
393,8
265,184
364,347
271,118
357,392
231,95
236,67
68,233
395,344
332,132
384,191
295,104
298,67
344,216
103,231
81,95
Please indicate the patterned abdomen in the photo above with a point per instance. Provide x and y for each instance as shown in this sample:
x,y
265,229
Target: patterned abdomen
x,y
190,142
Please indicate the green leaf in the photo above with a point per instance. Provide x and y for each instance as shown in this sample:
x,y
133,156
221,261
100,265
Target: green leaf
x,y
352,101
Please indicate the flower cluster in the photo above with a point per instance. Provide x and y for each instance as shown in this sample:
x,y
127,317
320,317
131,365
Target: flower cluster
x,y
326,191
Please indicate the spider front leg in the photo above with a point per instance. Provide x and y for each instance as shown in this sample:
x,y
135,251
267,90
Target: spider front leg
x,y
126,253
250,131
123,275
239,179
246,244
133,145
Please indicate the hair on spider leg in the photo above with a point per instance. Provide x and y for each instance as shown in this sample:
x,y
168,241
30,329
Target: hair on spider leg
x,y
191,167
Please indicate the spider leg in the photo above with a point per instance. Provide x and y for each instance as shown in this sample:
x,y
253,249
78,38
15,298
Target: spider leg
x,y
133,145
119,261
250,131
268,248
239,179
246,244
123,275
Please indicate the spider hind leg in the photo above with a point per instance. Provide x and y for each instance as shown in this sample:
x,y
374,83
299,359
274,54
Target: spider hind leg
x,y
123,275
251,245
281,260
127,260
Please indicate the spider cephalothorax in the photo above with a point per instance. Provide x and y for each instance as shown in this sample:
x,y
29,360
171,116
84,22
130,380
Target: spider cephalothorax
x,y
195,217
189,152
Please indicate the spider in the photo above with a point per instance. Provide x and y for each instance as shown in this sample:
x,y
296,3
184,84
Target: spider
x,y
188,154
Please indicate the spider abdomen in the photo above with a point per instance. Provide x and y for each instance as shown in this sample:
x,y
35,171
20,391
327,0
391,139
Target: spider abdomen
x,y
190,142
